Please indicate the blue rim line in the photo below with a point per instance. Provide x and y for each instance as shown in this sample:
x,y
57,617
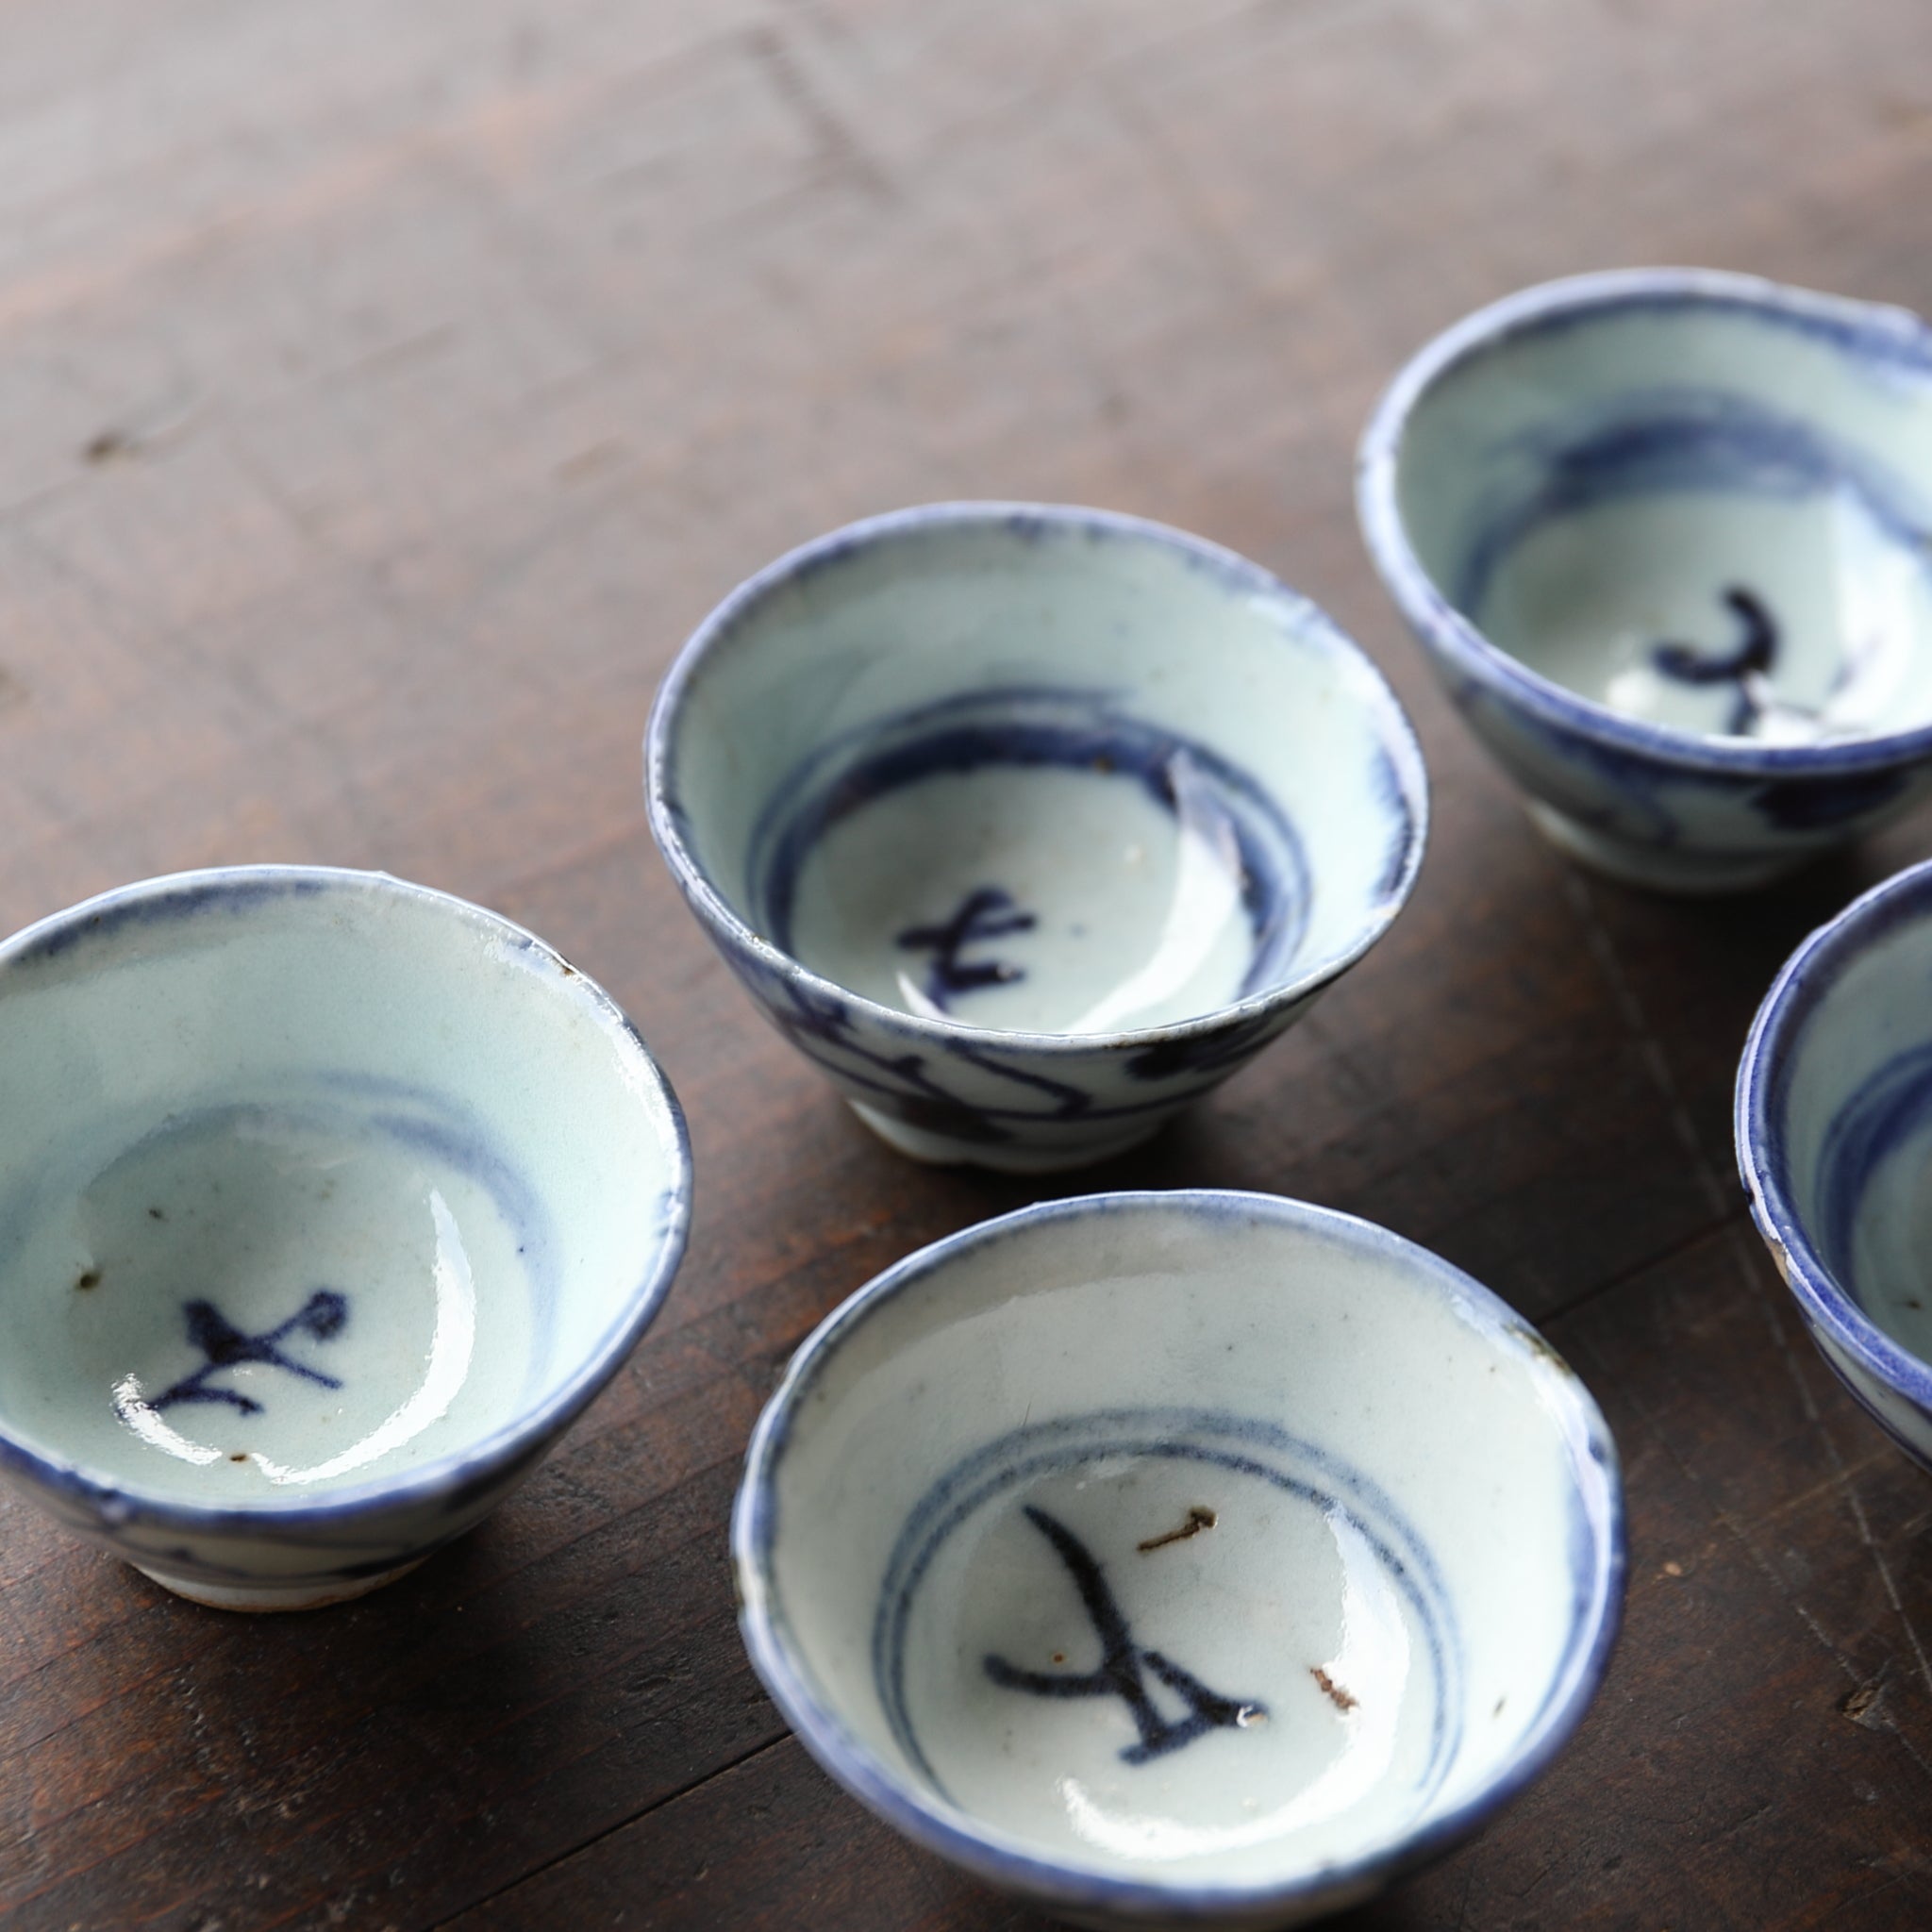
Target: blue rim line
x,y
1395,734
123,1505
1005,1862
1776,1037
1896,334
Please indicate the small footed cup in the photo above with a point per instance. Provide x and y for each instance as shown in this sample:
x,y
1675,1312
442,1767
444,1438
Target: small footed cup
x,y
1664,537
1834,1131
326,1203
1028,825
1193,1558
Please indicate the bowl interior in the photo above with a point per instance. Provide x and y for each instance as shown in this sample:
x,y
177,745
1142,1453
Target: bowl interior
x,y
1703,510
310,1180
1042,772
1849,1112
1198,1539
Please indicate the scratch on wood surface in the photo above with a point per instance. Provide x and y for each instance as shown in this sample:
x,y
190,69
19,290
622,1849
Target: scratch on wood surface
x,y
1739,1534
410,348
1824,1639
1650,1047
1842,1475
1189,200
1861,1900
121,443
1737,1825
1791,1505
607,454
837,145
109,446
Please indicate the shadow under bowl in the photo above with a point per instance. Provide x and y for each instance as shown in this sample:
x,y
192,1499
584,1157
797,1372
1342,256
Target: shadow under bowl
x,y
1666,537
326,1203
1191,1558
1027,824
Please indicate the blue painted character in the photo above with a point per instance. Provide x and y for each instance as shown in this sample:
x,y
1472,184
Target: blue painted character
x,y
1125,1667
323,1315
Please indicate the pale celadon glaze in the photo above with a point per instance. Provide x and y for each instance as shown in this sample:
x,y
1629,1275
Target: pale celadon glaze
x,y
1028,824
1664,535
1834,1130
1193,1558
328,1202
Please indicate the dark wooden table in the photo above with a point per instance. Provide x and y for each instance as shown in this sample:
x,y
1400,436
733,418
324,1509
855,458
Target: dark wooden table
x,y
385,390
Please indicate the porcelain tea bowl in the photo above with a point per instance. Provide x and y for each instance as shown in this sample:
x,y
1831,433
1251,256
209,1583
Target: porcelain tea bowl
x,y
1027,824
1188,1558
1663,535
326,1203
1834,1128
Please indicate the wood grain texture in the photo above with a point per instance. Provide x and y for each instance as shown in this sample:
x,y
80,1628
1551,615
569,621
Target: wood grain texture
x,y
386,393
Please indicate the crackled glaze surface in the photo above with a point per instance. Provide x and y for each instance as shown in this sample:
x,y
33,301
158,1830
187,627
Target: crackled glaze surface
x,y
1027,824
1097,1548
1663,534
332,1201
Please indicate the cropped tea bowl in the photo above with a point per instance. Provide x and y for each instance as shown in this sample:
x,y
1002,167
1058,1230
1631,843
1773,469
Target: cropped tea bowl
x,y
326,1203
1028,825
1834,1126
1186,1559
1663,535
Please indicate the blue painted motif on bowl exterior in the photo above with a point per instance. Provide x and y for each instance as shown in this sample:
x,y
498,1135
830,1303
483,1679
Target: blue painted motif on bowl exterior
x,y
1027,824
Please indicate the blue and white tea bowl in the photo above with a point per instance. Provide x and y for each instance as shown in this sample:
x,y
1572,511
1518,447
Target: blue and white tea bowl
x,y
1028,825
1664,537
1189,1558
1833,1127
326,1203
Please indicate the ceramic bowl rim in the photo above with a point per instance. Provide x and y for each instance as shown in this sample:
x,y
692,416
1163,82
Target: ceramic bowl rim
x,y
1878,330
1006,1862
1394,734
1803,984
120,1504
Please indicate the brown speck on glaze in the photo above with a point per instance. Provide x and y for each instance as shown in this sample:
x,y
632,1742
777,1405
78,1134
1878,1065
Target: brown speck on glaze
x,y
1539,1347
1341,1699
155,1214
240,1455
1199,1518
92,1278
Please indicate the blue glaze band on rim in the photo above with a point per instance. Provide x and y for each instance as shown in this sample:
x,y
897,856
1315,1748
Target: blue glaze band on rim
x,y
1597,1556
1891,339
1399,753
184,895
1763,1083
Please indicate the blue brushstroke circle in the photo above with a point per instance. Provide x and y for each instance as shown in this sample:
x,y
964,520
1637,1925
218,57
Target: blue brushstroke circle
x,y
1239,1444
